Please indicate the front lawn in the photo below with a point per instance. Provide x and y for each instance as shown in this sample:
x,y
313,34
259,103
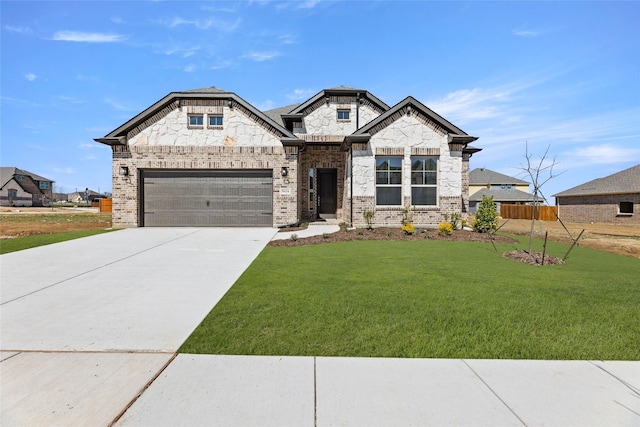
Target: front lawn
x,y
26,242
430,299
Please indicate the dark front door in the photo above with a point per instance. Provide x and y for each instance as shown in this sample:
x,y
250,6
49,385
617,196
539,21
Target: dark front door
x,y
327,191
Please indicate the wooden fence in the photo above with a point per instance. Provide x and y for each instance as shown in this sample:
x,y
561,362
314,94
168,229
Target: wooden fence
x,y
105,205
543,213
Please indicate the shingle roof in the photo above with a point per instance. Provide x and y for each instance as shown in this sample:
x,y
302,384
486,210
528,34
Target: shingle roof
x,y
503,196
276,113
6,173
211,89
482,176
626,181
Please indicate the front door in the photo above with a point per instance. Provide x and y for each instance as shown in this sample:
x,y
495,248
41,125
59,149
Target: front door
x,y
327,191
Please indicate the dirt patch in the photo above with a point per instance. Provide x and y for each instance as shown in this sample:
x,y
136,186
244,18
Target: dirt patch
x,y
533,258
388,233
617,239
19,222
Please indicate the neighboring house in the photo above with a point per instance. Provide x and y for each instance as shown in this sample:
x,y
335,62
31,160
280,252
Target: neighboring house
x,y
206,157
87,196
614,199
19,187
503,189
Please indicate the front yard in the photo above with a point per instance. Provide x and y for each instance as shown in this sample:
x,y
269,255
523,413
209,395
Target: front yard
x,y
430,299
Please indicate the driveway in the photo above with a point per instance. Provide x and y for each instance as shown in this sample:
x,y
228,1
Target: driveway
x,y
143,289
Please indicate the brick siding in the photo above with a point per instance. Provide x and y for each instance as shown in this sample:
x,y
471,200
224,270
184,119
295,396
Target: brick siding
x,y
598,209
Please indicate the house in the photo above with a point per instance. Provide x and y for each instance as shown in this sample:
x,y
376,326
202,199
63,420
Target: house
x,y
503,189
613,199
87,196
206,157
19,187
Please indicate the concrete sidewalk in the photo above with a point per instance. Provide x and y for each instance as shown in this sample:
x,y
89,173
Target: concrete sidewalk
x,y
89,337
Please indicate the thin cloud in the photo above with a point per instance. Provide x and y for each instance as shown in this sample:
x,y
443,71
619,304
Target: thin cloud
x,y
19,30
308,4
67,170
79,36
185,52
30,76
221,65
205,24
190,68
86,146
301,94
69,100
607,154
260,56
522,32
116,105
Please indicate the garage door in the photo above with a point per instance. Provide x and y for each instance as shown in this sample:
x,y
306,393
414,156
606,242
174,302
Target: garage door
x,y
207,198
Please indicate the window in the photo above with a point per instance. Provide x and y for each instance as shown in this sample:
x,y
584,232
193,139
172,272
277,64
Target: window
x,y
625,208
215,120
12,195
44,185
196,120
344,114
424,181
389,181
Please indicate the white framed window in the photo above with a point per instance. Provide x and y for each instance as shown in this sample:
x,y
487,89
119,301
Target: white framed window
x,y
389,181
215,120
44,185
344,115
625,208
424,181
196,120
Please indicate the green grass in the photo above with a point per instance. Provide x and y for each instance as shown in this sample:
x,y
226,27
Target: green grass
x,y
427,299
21,243
56,218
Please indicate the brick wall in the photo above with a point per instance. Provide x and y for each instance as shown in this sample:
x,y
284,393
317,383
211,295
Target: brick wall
x,y
321,157
598,209
126,189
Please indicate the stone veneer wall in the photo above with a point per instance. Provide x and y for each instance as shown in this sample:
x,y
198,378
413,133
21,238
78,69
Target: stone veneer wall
x,y
320,157
126,190
409,134
598,209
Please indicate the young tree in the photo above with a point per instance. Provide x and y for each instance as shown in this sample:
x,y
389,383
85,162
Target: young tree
x,y
540,173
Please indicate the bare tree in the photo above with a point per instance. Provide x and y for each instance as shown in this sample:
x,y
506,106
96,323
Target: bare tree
x,y
540,173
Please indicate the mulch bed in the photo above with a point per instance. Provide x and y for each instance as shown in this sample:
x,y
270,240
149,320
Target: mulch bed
x,y
533,258
388,233
391,233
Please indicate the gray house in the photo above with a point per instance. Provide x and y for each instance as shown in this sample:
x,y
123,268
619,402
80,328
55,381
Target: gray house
x,y
206,157
613,199
19,187
503,189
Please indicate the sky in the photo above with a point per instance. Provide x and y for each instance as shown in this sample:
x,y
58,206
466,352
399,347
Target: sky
x,y
561,78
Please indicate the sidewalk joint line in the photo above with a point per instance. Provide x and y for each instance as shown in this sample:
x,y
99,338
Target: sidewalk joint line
x,y
631,387
315,393
146,386
96,268
494,392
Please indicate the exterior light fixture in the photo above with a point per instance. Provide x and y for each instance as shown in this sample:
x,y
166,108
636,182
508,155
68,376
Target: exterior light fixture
x,y
124,170
284,171
230,103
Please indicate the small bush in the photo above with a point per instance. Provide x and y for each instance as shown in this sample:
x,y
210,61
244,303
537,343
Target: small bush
x,y
368,216
294,237
486,216
445,229
408,228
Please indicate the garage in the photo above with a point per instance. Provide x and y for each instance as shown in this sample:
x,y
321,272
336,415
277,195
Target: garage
x,y
212,198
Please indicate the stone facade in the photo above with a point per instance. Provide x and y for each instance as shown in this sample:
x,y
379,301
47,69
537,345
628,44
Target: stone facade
x,y
600,209
339,131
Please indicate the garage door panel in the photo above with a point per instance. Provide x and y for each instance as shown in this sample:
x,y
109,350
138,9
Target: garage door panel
x,y
208,198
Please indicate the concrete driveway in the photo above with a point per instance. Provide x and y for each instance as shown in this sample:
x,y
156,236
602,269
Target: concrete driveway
x,y
86,325
143,289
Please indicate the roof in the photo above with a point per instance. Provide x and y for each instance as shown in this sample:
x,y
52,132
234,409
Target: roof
x,y
412,102
340,90
503,196
6,173
482,176
118,135
626,181
276,113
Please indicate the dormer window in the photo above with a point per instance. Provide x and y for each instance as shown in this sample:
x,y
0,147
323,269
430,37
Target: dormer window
x,y
196,120
344,115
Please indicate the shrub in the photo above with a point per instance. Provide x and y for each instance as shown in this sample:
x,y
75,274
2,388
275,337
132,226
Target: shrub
x,y
445,229
294,237
408,228
486,216
368,216
454,219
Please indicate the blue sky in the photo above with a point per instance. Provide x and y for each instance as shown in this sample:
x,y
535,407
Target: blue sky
x,y
557,75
